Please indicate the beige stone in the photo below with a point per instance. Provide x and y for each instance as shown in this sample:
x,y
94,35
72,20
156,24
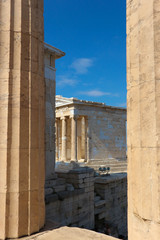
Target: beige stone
x,y
96,133
143,112
74,138
50,55
22,115
69,233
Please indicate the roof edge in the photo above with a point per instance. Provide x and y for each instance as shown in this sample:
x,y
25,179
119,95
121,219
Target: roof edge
x,y
54,50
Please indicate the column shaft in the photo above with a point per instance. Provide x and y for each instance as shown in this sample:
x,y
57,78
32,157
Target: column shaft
x,y
22,108
64,139
87,145
73,139
143,114
83,138
57,139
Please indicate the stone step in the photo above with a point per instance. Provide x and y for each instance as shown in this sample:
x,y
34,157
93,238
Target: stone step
x,y
109,160
105,164
97,198
112,168
102,215
99,203
99,210
108,165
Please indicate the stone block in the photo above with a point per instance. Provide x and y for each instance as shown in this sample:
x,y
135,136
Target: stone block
x,y
48,191
51,198
50,183
75,181
69,187
90,179
99,203
59,188
82,185
97,198
99,210
89,189
60,181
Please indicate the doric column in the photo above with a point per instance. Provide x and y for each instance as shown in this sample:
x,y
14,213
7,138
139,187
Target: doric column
x,y
57,138
74,138
83,138
143,118
87,145
64,139
22,107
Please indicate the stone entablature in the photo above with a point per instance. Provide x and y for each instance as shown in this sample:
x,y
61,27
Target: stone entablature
x,y
95,130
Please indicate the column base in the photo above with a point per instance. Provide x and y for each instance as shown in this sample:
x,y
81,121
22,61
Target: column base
x,y
63,160
82,160
74,160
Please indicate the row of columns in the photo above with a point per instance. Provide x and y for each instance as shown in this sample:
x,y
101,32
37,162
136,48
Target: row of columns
x,y
63,132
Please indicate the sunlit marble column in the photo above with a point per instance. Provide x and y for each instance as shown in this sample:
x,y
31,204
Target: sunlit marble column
x,y
64,139
57,138
22,118
143,119
74,138
83,138
87,143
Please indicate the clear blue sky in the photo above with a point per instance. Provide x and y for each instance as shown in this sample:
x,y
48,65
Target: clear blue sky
x,y
92,33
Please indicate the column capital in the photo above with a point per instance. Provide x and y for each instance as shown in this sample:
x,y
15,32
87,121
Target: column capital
x,y
83,116
63,118
86,117
75,117
57,119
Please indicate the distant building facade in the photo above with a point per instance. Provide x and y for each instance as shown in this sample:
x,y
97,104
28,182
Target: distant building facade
x,y
87,131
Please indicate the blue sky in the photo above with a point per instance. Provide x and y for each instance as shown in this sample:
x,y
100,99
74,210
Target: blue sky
x,y
92,33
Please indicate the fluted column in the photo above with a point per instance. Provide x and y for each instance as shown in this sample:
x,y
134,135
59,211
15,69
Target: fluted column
x,y
83,138
64,139
57,138
87,145
22,108
74,138
143,119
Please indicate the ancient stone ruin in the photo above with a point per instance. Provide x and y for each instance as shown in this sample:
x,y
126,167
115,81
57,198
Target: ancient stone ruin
x,y
22,118
143,109
74,195
91,132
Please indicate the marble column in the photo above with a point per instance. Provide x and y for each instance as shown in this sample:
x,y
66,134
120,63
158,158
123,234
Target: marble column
x,y
87,144
22,118
57,138
74,138
64,139
143,118
83,138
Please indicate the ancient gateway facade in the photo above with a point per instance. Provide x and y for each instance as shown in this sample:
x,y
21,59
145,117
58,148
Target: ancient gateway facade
x,y
87,131
22,119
